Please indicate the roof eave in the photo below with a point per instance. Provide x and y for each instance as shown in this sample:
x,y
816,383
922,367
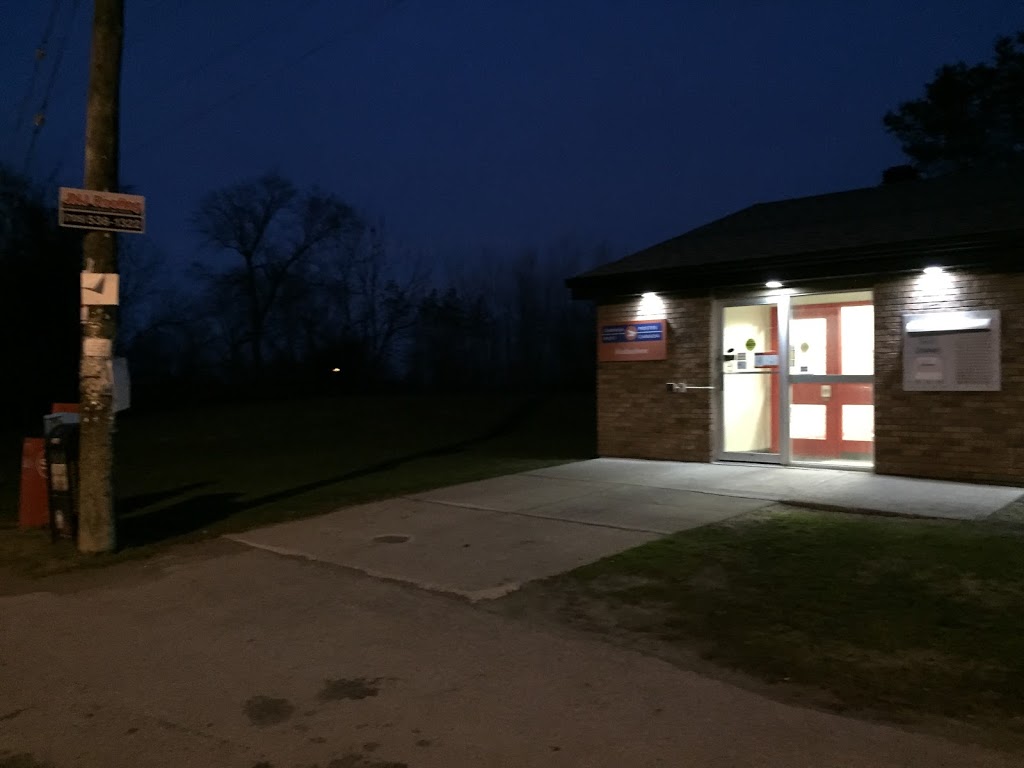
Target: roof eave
x,y
984,250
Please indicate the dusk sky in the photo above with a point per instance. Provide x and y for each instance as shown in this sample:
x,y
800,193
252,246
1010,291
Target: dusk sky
x,y
500,123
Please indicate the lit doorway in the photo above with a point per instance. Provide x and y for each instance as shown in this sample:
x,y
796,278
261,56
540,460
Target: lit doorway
x,y
797,379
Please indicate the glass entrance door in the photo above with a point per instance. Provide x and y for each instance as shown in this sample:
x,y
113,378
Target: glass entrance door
x,y
749,424
797,379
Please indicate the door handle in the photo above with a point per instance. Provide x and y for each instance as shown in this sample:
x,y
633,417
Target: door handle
x,y
826,391
683,387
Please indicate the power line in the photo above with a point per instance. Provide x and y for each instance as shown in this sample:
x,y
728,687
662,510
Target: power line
x,y
40,117
40,54
234,95
170,27
225,52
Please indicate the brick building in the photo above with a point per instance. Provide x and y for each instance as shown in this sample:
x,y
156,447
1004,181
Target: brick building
x,y
877,328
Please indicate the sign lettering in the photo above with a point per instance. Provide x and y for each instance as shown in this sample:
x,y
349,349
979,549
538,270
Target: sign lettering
x,y
106,211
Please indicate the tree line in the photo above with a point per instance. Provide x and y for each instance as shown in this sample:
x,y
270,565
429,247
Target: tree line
x,y
293,292
298,292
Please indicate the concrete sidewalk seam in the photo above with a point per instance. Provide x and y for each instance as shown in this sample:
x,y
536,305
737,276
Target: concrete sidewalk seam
x,y
537,516
631,484
472,596
424,496
611,526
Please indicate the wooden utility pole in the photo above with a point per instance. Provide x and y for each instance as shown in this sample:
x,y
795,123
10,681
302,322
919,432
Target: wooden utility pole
x,y
96,520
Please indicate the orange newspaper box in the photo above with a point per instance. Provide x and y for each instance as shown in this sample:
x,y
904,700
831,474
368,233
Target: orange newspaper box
x,y
34,497
33,503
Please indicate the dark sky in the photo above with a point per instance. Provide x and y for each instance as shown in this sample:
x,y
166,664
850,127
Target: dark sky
x,y
470,123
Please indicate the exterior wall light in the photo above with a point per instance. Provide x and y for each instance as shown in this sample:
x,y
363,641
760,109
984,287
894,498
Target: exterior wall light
x,y
935,284
773,284
650,307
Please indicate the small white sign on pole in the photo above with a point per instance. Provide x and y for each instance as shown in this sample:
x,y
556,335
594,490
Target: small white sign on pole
x,y
100,288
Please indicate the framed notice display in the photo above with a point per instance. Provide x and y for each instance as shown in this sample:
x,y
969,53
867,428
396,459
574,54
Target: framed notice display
x,y
952,351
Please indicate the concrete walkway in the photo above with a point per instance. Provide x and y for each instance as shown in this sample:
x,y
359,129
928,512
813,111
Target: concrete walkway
x,y
484,539
863,491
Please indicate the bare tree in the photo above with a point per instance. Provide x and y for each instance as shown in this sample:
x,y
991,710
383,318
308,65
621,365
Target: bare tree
x,y
140,264
388,299
276,230
354,309
537,337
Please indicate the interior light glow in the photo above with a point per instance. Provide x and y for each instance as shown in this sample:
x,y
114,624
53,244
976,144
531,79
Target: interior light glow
x,y
933,270
773,284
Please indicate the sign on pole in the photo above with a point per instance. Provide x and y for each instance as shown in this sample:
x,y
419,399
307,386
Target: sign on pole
x,y
107,211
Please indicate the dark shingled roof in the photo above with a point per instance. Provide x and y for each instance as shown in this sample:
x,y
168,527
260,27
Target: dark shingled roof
x,y
845,230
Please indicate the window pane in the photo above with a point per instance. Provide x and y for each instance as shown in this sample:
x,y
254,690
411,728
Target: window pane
x,y
748,331
832,423
809,340
807,422
748,408
832,334
859,423
750,395
857,325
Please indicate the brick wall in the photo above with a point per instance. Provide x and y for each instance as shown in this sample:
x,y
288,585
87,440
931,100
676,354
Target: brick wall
x,y
973,436
636,417
976,436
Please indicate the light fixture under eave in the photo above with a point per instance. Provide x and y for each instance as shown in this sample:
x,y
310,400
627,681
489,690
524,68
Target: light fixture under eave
x,y
933,270
650,307
773,284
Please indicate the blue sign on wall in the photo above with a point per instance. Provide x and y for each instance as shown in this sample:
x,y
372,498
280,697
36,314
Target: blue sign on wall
x,y
617,334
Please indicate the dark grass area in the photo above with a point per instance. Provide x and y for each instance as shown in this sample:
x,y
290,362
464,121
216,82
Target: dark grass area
x,y
884,614
208,471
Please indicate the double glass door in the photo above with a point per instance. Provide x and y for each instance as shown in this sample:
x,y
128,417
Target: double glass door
x,y
797,379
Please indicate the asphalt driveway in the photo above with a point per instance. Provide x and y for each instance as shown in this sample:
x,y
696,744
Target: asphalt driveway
x,y
234,655
228,656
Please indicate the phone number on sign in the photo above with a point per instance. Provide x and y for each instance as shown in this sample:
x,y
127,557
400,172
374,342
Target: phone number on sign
x,y
105,222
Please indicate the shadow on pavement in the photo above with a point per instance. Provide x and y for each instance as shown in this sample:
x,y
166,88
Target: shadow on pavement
x,y
136,527
130,505
186,516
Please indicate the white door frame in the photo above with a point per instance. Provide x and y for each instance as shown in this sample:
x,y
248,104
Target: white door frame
x,y
781,302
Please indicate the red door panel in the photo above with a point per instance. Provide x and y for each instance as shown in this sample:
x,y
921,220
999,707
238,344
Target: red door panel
x,y
832,396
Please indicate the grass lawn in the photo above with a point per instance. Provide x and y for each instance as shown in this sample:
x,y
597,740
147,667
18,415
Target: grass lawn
x,y
887,616
203,472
